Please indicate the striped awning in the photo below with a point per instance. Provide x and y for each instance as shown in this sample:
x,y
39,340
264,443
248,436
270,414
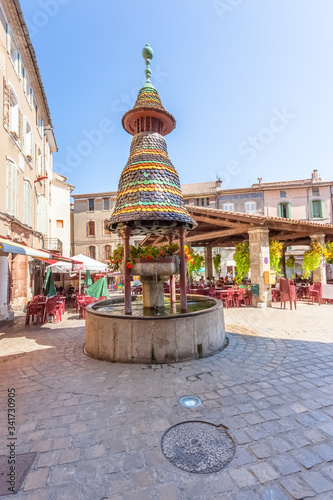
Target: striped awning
x,y
9,246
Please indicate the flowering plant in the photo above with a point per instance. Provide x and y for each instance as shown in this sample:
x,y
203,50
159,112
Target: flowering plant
x,y
148,253
312,257
217,263
242,259
328,252
290,262
275,253
194,261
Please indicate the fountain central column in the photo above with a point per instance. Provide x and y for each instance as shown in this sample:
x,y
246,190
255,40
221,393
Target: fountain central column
x,y
183,298
126,233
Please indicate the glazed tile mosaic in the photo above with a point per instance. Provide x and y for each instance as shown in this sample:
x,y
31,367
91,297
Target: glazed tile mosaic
x,y
149,198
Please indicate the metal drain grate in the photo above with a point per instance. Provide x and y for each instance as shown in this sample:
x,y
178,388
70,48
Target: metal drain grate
x,y
198,447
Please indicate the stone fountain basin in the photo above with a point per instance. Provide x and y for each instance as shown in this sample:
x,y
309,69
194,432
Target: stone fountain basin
x,y
153,268
155,339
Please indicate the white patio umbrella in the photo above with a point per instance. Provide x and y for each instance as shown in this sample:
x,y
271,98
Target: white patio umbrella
x,y
89,264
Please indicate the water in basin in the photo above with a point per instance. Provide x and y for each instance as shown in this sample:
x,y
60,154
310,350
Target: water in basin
x,y
169,309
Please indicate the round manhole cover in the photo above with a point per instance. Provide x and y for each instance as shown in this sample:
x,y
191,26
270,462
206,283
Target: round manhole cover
x,y
198,447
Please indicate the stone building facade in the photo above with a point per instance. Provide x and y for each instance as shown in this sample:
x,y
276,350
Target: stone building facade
x,y
27,143
306,199
90,214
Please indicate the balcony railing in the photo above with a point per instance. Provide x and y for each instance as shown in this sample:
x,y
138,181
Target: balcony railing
x,y
53,245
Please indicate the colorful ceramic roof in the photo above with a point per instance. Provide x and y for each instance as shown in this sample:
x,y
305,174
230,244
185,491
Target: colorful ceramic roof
x,y
149,188
149,197
148,97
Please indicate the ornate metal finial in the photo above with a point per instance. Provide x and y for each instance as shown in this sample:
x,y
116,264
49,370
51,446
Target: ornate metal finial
x,y
148,54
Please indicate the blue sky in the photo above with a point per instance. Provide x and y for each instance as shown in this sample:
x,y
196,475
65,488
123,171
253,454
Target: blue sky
x,y
248,81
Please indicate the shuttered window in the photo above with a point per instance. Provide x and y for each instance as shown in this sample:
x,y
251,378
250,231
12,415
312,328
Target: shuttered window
x,y
250,207
107,252
27,202
106,203
13,113
27,139
317,209
92,252
91,228
106,232
12,181
284,210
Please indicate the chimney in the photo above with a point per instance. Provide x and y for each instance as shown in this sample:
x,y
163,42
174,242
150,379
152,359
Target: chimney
x,y
259,179
218,184
314,176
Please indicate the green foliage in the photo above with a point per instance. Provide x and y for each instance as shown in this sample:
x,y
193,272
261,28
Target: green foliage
x,y
312,257
329,252
242,259
275,248
148,252
290,262
217,263
116,258
194,261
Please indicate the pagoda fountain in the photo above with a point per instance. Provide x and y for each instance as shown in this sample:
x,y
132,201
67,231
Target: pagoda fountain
x,y
149,201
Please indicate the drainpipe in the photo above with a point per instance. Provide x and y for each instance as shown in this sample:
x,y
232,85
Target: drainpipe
x,y
308,204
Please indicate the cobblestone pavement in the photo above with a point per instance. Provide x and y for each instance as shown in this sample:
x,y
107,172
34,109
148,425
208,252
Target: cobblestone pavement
x,y
97,426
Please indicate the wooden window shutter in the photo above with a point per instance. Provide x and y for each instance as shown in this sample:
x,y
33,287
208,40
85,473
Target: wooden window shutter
x,y
279,210
8,39
288,211
321,205
5,104
31,152
9,187
19,65
26,202
311,209
14,189
20,129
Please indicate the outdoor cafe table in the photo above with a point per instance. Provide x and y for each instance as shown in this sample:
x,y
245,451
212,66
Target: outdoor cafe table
x,y
301,290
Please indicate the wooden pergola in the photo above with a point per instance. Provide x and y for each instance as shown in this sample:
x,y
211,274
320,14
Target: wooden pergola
x,y
218,228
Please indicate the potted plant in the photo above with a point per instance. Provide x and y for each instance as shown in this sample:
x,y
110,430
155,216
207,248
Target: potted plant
x,y
141,259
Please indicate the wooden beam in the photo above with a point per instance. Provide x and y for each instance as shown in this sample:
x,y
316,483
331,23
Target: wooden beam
x,y
218,234
236,216
214,243
290,236
216,222
159,239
